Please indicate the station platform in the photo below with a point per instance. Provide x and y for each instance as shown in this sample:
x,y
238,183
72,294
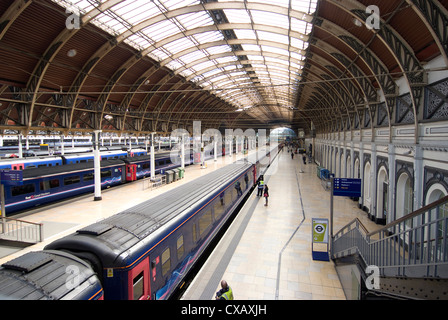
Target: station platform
x,y
266,252
65,217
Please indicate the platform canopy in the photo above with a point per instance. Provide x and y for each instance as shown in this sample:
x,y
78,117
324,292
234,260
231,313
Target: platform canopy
x,y
154,66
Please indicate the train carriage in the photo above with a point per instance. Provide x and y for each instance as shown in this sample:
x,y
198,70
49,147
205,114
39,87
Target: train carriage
x,y
44,185
49,275
146,251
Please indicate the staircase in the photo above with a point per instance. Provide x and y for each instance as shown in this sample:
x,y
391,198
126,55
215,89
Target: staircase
x,y
406,259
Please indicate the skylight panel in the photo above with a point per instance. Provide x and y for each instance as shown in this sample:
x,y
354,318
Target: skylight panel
x,y
203,66
161,30
225,60
194,20
245,34
279,51
237,16
251,47
188,58
270,18
175,64
219,49
175,4
179,45
210,36
159,54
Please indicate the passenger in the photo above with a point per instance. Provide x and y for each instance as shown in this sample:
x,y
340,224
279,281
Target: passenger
x,y
238,188
246,179
292,155
225,293
304,158
260,186
266,194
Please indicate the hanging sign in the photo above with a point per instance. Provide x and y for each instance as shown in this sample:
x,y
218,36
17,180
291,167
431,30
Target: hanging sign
x,y
347,187
11,177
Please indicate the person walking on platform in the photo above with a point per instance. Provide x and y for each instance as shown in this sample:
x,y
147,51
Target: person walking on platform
x,y
304,158
260,186
225,293
266,194
292,155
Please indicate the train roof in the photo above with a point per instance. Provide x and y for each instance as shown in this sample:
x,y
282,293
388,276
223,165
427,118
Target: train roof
x,y
67,168
117,234
43,275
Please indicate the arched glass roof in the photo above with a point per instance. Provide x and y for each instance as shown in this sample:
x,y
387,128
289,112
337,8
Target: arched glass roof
x,y
249,53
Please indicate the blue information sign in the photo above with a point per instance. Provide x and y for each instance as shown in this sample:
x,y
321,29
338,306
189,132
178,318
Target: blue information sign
x,y
11,177
346,187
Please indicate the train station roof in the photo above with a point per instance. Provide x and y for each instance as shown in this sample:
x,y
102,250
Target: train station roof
x,y
155,66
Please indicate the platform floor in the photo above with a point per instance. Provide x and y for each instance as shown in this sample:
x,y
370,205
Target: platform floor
x,y
64,218
266,252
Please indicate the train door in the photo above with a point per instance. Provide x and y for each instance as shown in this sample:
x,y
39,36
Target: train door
x,y
18,166
131,172
139,282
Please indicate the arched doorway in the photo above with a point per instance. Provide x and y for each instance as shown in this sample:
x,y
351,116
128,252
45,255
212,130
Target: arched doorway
x,y
404,196
366,190
382,195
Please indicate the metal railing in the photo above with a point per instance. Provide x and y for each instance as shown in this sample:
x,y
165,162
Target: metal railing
x,y
415,245
21,231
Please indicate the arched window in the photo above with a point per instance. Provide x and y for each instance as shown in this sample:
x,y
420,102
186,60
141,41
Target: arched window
x,y
382,193
436,192
348,174
367,180
404,196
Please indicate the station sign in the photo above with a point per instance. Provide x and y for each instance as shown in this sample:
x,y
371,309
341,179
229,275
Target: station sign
x,y
11,177
346,187
319,243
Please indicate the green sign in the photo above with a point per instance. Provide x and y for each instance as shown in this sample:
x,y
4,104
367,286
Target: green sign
x,y
320,239
320,230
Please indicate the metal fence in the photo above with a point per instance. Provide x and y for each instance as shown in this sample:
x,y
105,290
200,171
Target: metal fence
x,y
21,231
415,245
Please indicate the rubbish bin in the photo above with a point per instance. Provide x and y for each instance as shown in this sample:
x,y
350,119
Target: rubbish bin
x,y
181,173
169,176
175,174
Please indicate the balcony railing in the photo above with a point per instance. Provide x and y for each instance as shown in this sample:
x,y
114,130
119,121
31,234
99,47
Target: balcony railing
x,y
415,245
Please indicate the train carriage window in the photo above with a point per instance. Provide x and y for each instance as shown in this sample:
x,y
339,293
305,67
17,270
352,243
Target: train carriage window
x,y
88,177
71,180
205,221
106,174
166,261
219,206
23,189
49,184
195,236
138,286
228,199
180,247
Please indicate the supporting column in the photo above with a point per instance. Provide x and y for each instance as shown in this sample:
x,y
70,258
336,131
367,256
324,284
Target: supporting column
x,y
361,173
153,157
182,151
391,192
62,145
96,163
20,145
373,182
418,177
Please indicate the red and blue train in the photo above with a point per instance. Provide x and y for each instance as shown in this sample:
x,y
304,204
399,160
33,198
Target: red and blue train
x,y
142,253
